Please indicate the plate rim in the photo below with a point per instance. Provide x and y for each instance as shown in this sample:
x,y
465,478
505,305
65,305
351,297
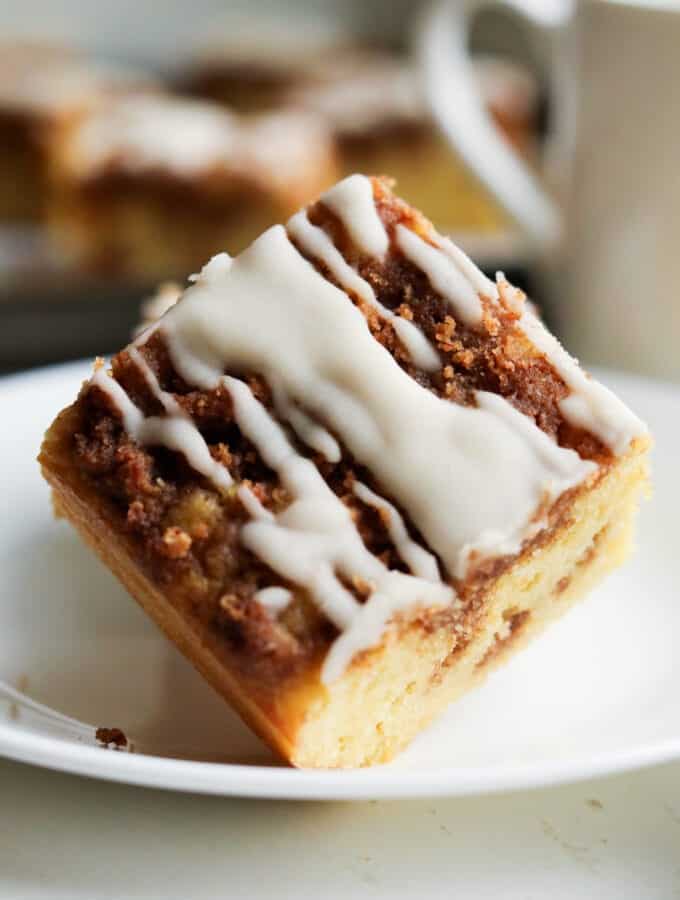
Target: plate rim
x,y
287,783
381,782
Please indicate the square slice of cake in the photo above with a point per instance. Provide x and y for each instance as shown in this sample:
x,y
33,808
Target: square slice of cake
x,y
150,187
347,474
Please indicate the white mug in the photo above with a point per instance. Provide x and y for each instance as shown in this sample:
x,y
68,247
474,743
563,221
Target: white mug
x,y
608,234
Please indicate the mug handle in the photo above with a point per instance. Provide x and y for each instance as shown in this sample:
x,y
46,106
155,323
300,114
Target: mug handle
x,y
441,47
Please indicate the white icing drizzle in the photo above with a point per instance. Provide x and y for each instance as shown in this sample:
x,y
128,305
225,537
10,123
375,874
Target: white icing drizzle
x,y
189,137
565,473
170,405
417,558
459,472
274,599
314,539
443,274
309,431
474,275
252,505
352,202
471,479
314,241
175,432
217,266
154,307
156,131
590,405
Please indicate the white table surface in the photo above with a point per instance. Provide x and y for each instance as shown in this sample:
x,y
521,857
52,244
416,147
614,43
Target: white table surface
x,y
63,836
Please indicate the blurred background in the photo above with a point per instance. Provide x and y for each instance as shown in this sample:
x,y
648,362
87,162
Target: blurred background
x,y
137,139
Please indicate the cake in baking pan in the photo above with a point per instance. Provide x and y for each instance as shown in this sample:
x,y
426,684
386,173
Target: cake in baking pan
x,y
44,90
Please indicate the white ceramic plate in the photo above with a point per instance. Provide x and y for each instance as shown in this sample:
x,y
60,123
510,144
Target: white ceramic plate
x,y
596,694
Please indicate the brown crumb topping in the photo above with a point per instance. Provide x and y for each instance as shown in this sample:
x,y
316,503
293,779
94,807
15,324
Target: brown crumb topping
x,y
177,542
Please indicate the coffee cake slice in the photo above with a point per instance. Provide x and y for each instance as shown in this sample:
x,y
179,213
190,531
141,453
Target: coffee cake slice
x,y
347,474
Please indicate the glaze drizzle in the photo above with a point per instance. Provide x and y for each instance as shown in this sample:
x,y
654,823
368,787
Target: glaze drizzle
x,y
470,479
